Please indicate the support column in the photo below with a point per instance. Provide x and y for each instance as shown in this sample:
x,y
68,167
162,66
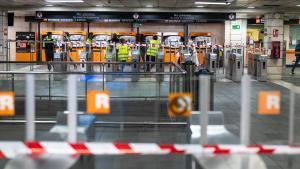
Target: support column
x,y
274,33
236,33
3,38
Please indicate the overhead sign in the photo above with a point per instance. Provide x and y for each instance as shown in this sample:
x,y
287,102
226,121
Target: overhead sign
x,y
98,102
7,104
69,16
269,103
236,27
180,104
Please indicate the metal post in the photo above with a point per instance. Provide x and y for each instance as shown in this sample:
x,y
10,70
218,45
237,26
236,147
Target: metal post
x,y
292,115
30,108
72,109
204,95
245,110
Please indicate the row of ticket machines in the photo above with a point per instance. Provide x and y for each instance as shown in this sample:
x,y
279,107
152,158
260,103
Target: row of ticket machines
x,y
26,48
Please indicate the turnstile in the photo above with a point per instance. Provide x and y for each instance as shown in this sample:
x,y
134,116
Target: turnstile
x,y
135,66
59,66
109,66
237,67
262,68
228,65
211,62
160,67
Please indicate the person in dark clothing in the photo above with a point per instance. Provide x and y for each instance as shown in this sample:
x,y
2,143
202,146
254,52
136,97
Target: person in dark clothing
x,y
297,54
65,46
115,39
141,39
49,48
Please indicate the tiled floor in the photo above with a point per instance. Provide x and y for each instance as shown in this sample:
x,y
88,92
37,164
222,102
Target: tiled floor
x,y
264,129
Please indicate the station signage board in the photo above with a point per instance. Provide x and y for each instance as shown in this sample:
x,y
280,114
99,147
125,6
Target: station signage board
x,y
269,103
236,27
69,16
98,102
7,103
180,104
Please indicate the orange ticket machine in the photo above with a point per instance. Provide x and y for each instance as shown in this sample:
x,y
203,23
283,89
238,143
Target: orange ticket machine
x,y
100,40
26,47
57,36
77,39
172,41
201,40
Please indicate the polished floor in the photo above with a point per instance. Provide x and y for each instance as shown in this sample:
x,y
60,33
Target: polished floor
x,y
264,129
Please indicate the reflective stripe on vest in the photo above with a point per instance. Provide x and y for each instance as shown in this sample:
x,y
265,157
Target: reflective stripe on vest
x,y
123,52
153,48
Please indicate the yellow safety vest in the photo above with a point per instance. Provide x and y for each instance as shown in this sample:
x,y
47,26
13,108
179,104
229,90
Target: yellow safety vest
x,y
88,41
153,48
123,53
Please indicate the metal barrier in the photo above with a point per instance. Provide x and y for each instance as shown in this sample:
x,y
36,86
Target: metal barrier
x,y
262,68
211,62
103,72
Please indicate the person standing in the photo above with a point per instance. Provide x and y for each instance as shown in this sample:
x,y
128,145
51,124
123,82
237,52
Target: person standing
x,y
123,53
48,44
116,42
143,47
152,52
66,46
88,47
297,54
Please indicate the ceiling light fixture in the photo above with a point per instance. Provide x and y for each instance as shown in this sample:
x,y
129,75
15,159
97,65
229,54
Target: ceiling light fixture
x,y
200,6
298,5
64,1
212,3
149,6
99,5
49,5
251,7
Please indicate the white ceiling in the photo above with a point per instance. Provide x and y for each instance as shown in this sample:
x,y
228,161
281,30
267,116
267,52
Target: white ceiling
x,y
289,7
283,4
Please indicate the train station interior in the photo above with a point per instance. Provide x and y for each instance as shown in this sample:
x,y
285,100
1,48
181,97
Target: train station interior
x,y
149,84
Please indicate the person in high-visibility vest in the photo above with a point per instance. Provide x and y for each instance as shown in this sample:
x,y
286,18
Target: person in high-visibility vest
x,y
152,51
88,46
48,44
123,52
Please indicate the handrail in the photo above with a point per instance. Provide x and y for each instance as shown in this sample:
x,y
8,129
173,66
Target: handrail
x,y
179,70
94,73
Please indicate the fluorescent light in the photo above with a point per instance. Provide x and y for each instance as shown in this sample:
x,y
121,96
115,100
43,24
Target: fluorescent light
x,y
64,1
49,5
149,6
200,6
298,5
99,5
251,7
212,3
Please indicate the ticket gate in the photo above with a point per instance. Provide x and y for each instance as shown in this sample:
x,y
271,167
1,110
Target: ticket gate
x,y
262,68
59,67
228,65
237,67
211,62
135,66
160,67
110,57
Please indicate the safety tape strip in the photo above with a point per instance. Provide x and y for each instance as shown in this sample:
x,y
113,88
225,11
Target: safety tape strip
x,y
2,155
12,149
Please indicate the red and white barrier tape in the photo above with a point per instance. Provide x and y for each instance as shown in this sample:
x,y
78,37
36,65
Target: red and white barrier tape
x,y
12,149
